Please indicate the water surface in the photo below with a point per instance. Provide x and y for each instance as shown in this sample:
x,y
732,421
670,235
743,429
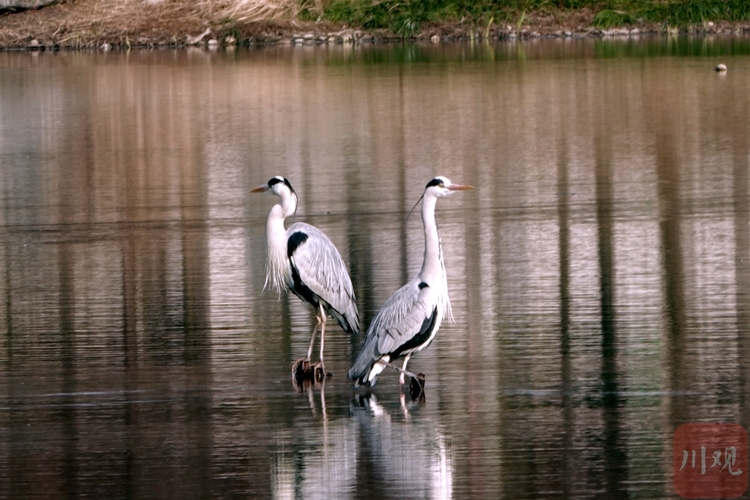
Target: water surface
x,y
599,273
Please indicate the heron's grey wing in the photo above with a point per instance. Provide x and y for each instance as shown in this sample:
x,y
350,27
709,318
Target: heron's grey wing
x,y
400,320
403,316
321,268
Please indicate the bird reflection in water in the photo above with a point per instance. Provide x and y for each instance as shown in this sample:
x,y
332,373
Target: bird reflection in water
x,y
308,387
316,457
405,450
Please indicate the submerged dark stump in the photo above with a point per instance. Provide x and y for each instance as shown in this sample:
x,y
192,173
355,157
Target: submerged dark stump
x,y
416,387
304,371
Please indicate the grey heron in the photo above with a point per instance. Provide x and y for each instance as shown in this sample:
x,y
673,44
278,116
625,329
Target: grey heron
x,y
410,318
304,260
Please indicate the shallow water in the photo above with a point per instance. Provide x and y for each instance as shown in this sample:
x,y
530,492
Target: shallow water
x,y
599,273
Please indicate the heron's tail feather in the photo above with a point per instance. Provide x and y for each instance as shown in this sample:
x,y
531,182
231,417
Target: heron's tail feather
x,y
348,324
367,368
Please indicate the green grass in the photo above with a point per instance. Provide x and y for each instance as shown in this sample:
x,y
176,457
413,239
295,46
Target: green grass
x,y
404,17
408,17
678,13
608,18
683,12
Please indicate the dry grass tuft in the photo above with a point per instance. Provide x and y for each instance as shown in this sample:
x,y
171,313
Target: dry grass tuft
x,y
84,23
251,10
90,23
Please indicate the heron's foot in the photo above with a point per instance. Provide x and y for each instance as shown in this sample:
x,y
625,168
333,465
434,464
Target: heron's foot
x,y
319,372
416,387
305,371
302,370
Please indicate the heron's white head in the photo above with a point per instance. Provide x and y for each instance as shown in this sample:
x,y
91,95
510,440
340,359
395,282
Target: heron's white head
x,y
282,188
277,263
442,186
277,185
437,187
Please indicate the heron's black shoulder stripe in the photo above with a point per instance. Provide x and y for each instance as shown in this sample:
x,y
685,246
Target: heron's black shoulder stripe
x,y
423,285
294,241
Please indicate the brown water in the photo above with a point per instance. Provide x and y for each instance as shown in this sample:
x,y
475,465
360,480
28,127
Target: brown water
x,y
599,273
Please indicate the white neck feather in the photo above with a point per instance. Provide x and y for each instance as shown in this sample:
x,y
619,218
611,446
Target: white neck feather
x,y
433,268
278,273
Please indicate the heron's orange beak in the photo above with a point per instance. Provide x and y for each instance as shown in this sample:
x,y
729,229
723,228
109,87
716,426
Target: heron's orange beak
x,y
260,189
459,187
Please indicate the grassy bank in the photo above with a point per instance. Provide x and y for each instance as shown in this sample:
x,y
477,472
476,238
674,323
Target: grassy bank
x,y
126,23
408,17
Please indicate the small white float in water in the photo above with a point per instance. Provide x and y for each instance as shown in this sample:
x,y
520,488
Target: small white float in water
x,y
721,68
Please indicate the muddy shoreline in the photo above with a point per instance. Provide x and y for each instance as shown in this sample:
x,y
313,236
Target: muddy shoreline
x,y
103,25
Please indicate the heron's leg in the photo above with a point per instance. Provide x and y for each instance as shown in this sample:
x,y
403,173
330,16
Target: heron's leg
x,y
401,379
322,321
399,369
312,337
302,369
319,368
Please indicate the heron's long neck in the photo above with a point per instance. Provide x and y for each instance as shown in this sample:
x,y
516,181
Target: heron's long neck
x,y
277,264
432,267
